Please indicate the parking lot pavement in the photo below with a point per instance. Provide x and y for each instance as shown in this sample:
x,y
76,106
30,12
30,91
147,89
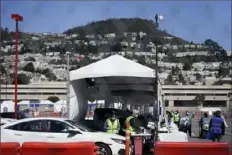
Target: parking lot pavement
x,y
195,133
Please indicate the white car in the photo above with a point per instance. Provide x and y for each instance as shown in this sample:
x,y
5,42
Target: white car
x,y
170,133
60,130
7,120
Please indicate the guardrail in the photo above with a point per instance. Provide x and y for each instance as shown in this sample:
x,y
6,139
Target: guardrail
x,y
38,148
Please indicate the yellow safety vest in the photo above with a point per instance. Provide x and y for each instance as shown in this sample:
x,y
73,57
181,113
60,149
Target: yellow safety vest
x,y
176,117
131,129
112,126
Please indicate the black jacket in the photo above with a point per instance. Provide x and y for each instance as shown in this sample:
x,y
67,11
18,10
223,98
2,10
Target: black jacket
x,y
135,124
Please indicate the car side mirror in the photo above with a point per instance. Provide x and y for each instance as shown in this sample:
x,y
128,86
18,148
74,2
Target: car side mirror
x,y
74,131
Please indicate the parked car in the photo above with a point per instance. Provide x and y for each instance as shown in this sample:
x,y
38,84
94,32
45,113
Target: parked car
x,y
48,129
12,115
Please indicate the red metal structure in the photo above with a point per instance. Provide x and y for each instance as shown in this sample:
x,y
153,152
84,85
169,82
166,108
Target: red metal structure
x,y
17,18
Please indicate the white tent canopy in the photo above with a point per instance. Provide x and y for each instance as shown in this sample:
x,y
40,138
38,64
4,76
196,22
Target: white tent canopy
x,y
60,105
115,65
7,106
24,102
46,102
107,73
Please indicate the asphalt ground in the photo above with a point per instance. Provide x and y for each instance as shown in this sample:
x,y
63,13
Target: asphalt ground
x,y
195,133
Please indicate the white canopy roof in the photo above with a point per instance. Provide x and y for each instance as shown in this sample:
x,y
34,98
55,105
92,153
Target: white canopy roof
x,y
39,102
24,102
59,105
46,102
61,102
210,109
8,106
115,65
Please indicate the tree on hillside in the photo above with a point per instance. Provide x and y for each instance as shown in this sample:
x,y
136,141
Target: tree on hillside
x,y
221,54
116,47
200,98
29,67
223,72
181,79
22,79
92,49
49,74
84,62
53,99
30,59
198,77
211,43
2,69
187,66
175,70
169,80
5,34
142,60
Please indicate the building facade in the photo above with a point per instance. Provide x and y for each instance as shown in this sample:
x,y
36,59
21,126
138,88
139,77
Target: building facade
x,y
178,97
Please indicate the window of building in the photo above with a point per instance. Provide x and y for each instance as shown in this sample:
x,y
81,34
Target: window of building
x,y
214,104
185,104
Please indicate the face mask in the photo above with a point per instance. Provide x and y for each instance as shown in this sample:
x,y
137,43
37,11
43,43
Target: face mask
x,y
113,117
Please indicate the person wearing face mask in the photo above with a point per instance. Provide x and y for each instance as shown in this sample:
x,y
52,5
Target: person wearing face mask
x,y
176,118
217,127
133,122
186,124
112,124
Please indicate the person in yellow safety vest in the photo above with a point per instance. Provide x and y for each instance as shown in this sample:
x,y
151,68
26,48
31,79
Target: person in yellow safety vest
x,y
133,123
112,125
176,118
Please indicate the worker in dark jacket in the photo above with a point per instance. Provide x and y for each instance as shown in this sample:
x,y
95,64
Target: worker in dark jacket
x,y
217,127
204,120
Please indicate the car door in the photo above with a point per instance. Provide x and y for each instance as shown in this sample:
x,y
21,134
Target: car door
x,y
31,131
58,131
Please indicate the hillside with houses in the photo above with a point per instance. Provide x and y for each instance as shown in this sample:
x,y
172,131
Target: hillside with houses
x,y
43,55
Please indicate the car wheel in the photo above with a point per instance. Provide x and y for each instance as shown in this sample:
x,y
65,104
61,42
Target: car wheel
x,y
103,149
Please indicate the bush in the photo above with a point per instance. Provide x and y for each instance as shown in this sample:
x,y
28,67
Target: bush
x,y
22,79
30,59
29,67
53,99
49,74
2,69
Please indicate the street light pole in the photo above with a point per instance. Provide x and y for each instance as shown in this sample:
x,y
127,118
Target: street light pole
x,y
68,86
17,18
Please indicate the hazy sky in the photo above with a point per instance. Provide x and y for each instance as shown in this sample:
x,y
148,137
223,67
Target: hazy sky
x,y
193,21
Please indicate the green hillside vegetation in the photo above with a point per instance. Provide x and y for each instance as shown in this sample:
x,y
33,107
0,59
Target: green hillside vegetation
x,y
118,26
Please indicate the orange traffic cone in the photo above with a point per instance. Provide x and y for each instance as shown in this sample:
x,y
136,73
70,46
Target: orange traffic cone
x,y
127,145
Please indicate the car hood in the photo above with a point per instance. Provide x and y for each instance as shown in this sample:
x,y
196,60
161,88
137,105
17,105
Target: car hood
x,y
107,135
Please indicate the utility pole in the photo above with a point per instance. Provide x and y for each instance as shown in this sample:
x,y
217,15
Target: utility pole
x,y
68,86
6,78
0,90
17,18
156,103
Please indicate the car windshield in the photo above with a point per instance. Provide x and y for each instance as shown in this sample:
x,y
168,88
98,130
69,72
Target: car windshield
x,y
80,126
